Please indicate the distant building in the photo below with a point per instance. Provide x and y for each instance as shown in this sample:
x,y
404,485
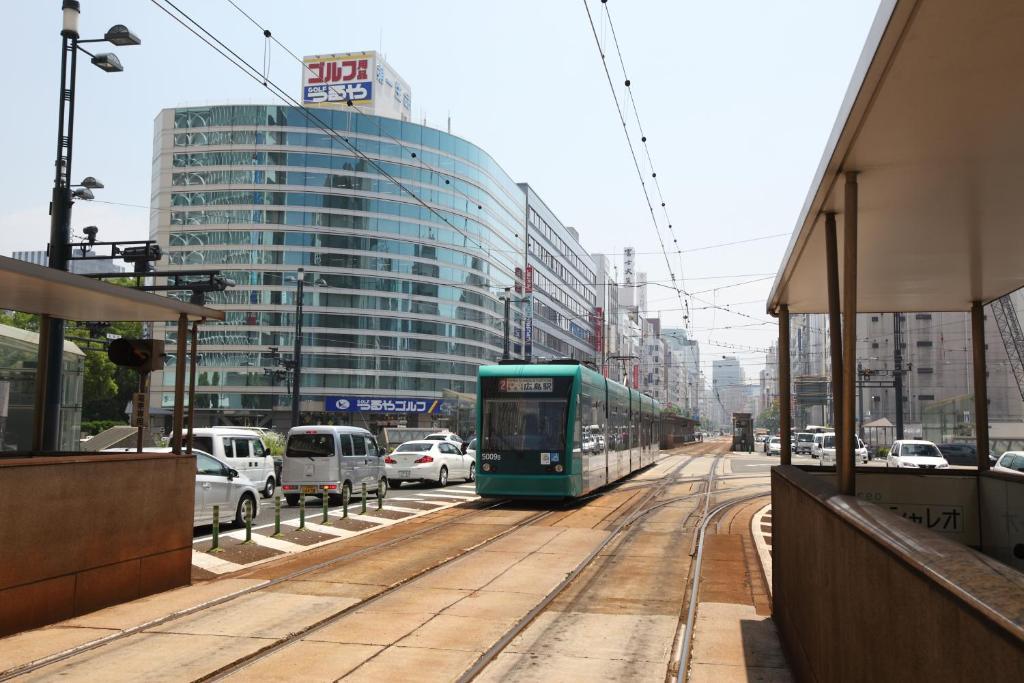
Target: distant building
x,y
40,258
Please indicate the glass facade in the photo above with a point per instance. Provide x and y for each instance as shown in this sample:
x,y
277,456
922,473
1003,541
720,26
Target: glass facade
x,y
408,235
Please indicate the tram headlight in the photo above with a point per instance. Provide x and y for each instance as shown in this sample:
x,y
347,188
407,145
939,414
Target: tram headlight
x,y
558,468
487,467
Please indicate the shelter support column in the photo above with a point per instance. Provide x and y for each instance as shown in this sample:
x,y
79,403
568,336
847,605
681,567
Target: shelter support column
x,y
179,382
785,402
834,327
980,384
844,435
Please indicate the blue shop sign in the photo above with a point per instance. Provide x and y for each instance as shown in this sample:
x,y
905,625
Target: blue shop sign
x,y
372,404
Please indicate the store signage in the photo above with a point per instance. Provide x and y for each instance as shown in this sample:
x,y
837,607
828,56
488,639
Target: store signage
x,y
529,279
338,78
599,329
519,280
372,404
636,376
526,385
629,266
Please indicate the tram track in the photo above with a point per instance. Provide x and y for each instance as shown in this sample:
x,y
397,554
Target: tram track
x,y
624,526
242,663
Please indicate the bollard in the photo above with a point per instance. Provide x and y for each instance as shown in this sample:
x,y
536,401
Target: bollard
x,y
215,546
346,496
248,523
380,497
324,520
277,515
363,508
302,512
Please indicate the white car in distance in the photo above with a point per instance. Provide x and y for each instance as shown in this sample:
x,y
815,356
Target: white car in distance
x,y
827,449
915,454
1010,462
775,446
432,461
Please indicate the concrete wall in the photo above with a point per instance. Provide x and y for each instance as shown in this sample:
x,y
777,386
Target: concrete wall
x,y
863,594
1002,517
82,532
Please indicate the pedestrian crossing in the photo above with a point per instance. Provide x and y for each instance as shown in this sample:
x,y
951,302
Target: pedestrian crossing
x,y
235,554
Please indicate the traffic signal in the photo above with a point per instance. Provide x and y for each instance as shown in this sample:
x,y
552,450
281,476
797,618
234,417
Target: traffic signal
x,y
145,355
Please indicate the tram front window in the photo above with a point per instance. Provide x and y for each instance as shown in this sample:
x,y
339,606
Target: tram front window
x,y
524,425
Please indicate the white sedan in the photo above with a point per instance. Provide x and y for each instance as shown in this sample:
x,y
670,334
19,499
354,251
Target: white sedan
x,y
1010,462
775,446
216,484
428,461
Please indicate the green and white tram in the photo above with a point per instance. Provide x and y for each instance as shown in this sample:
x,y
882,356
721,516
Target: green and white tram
x,y
559,430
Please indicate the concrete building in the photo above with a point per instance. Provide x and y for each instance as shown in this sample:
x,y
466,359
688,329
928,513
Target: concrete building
x,y
564,286
78,267
684,375
608,323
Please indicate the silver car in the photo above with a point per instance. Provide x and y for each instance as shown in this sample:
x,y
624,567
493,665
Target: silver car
x,y
216,484
332,461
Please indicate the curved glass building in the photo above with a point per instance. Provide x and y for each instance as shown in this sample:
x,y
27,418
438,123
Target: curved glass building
x,y
408,237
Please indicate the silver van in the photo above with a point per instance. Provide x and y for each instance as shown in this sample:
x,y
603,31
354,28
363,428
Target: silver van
x,y
329,460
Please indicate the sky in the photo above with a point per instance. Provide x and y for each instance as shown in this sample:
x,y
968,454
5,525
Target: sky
x,y
737,100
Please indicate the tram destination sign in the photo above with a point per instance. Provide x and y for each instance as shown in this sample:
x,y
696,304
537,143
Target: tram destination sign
x,y
527,385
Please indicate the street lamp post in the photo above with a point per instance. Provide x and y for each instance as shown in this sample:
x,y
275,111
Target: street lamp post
x,y
297,353
46,434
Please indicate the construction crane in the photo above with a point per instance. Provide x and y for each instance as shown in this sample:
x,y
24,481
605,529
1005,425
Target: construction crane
x,y
1013,339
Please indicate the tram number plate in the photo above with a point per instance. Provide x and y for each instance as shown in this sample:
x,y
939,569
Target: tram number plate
x,y
403,473
309,489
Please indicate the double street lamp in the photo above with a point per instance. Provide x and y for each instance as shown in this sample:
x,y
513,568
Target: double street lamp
x,y
300,280
51,340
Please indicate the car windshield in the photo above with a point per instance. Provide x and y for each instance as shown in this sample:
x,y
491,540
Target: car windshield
x,y
828,441
435,437
920,449
414,447
776,439
310,446
805,436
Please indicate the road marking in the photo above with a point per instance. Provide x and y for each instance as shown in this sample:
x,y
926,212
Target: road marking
x,y
212,563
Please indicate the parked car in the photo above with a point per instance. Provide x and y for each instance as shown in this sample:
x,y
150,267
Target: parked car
x,y
428,461
243,450
915,454
471,449
217,483
804,443
962,454
450,437
828,449
1011,462
332,461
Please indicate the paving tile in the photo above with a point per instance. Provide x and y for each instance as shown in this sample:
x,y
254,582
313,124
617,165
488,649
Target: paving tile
x,y
488,604
415,598
261,615
543,668
414,664
307,661
449,632
30,646
151,657
370,629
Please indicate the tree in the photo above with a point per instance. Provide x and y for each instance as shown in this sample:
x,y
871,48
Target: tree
x,y
769,418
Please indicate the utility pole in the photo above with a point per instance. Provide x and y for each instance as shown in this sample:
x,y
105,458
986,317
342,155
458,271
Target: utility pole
x,y
897,334
297,353
860,398
508,315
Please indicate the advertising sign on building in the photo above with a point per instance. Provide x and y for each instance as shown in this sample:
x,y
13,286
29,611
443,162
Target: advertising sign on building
x,y
636,376
629,266
599,329
528,326
372,404
519,280
529,279
362,78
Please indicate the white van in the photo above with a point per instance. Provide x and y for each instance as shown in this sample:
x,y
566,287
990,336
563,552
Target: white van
x,y
243,450
331,460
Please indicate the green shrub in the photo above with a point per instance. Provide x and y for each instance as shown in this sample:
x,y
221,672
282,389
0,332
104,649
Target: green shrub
x,y
274,443
94,427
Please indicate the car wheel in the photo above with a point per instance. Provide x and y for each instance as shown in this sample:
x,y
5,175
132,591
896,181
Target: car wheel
x,y
269,488
382,488
292,499
245,501
334,499
442,477
394,484
472,472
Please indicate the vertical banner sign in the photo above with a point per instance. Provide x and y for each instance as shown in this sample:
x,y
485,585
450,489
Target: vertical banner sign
x,y
629,266
599,329
529,279
528,325
636,376
140,409
519,280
